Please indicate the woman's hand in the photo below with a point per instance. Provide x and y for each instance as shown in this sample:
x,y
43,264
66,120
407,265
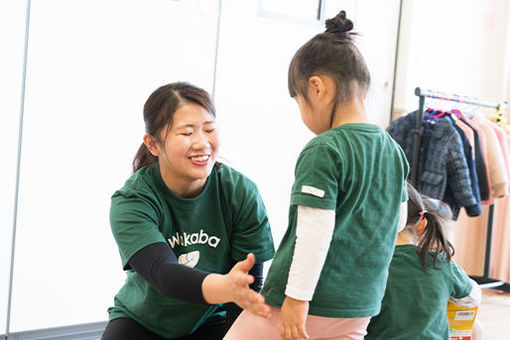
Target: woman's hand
x,y
293,319
234,287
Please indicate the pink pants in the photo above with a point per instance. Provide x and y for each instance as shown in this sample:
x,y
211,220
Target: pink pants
x,y
249,326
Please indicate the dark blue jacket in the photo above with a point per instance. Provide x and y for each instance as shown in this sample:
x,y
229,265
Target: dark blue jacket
x,y
442,163
468,153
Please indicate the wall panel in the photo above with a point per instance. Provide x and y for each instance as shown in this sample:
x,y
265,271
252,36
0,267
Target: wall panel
x,y
91,66
12,45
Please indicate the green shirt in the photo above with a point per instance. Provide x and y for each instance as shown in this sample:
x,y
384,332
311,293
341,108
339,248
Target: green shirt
x,y
225,222
359,171
414,305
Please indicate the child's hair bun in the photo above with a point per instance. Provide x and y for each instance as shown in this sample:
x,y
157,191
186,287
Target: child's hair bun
x,y
339,24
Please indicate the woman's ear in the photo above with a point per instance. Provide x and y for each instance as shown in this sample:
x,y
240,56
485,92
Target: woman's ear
x,y
421,226
151,144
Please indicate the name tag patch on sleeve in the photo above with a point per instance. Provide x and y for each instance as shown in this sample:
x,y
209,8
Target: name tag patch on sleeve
x,y
312,191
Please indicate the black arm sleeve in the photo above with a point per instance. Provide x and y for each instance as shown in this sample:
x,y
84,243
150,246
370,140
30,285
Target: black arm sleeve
x,y
257,271
158,265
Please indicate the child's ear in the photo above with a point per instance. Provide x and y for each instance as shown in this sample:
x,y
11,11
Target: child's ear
x,y
316,86
421,226
322,87
151,144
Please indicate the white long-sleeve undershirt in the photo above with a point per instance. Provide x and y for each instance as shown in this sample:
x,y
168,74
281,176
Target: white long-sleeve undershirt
x,y
473,299
314,232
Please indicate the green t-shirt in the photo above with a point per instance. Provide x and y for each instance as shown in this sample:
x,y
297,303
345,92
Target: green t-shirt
x,y
414,305
359,171
225,222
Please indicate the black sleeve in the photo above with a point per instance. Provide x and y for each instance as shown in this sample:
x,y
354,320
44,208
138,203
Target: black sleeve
x,y
158,265
257,271
234,310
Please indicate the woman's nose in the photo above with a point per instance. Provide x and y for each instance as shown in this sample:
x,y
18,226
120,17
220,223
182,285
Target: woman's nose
x,y
200,141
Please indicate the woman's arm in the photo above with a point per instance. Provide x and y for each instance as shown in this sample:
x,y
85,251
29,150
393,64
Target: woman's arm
x,y
158,265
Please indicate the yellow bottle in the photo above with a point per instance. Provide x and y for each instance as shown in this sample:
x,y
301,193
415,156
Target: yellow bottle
x,y
461,321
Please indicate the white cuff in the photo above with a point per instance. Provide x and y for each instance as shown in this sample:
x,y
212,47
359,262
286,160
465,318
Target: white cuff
x,y
473,299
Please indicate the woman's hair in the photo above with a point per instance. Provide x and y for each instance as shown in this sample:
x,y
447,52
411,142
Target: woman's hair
x,y
334,54
159,110
434,236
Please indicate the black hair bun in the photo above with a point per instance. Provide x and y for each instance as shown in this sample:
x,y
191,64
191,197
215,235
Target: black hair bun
x,y
339,24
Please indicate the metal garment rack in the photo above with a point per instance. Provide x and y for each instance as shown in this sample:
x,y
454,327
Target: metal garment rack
x,y
485,281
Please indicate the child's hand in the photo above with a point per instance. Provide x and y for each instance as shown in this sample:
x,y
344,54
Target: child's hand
x,y
293,318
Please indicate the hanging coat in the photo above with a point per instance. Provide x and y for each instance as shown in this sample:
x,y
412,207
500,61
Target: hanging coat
x,y
442,161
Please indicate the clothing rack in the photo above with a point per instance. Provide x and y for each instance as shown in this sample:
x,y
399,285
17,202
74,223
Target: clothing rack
x,y
484,281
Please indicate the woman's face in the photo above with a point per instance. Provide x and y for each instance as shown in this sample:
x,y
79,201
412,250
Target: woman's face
x,y
188,152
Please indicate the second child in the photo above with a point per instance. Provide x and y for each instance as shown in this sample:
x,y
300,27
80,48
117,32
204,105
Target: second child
x,y
422,277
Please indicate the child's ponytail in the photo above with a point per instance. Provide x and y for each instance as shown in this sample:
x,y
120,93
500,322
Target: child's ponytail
x,y
432,239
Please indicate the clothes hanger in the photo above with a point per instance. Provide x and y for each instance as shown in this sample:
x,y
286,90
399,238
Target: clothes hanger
x,y
457,112
439,114
498,116
476,102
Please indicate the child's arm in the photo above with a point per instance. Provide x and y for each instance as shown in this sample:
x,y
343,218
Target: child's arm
x,y
314,231
473,299
402,218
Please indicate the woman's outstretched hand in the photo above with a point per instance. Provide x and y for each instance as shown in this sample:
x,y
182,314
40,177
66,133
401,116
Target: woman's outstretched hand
x,y
234,287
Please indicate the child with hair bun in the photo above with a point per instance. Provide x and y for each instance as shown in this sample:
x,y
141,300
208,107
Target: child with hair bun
x,y
348,199
422,277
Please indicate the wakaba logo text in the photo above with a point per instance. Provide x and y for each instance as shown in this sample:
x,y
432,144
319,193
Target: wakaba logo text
x,y
185,239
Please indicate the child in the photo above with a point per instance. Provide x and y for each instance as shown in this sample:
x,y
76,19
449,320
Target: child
x,y
422,277
329,273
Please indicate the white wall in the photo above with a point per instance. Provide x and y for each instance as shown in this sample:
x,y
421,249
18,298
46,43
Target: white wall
x,y
12,41
262,129
91,65
455,46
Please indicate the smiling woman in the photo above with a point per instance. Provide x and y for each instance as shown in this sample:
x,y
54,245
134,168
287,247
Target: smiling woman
x,y
181,223
187,150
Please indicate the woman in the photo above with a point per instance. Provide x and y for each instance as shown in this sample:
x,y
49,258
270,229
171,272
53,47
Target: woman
x,y
181,222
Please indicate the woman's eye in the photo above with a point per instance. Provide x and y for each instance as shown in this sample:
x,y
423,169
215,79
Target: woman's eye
x,y
187,133
210,130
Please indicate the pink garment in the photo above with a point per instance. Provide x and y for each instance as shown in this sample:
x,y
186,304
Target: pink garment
x,y
249,326
502,140
468,132
495,161
500,257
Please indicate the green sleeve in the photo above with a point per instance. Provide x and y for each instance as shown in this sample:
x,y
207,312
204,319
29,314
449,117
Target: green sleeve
x,y
317,178
251,232
134,225
405,165
405,197
460,284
